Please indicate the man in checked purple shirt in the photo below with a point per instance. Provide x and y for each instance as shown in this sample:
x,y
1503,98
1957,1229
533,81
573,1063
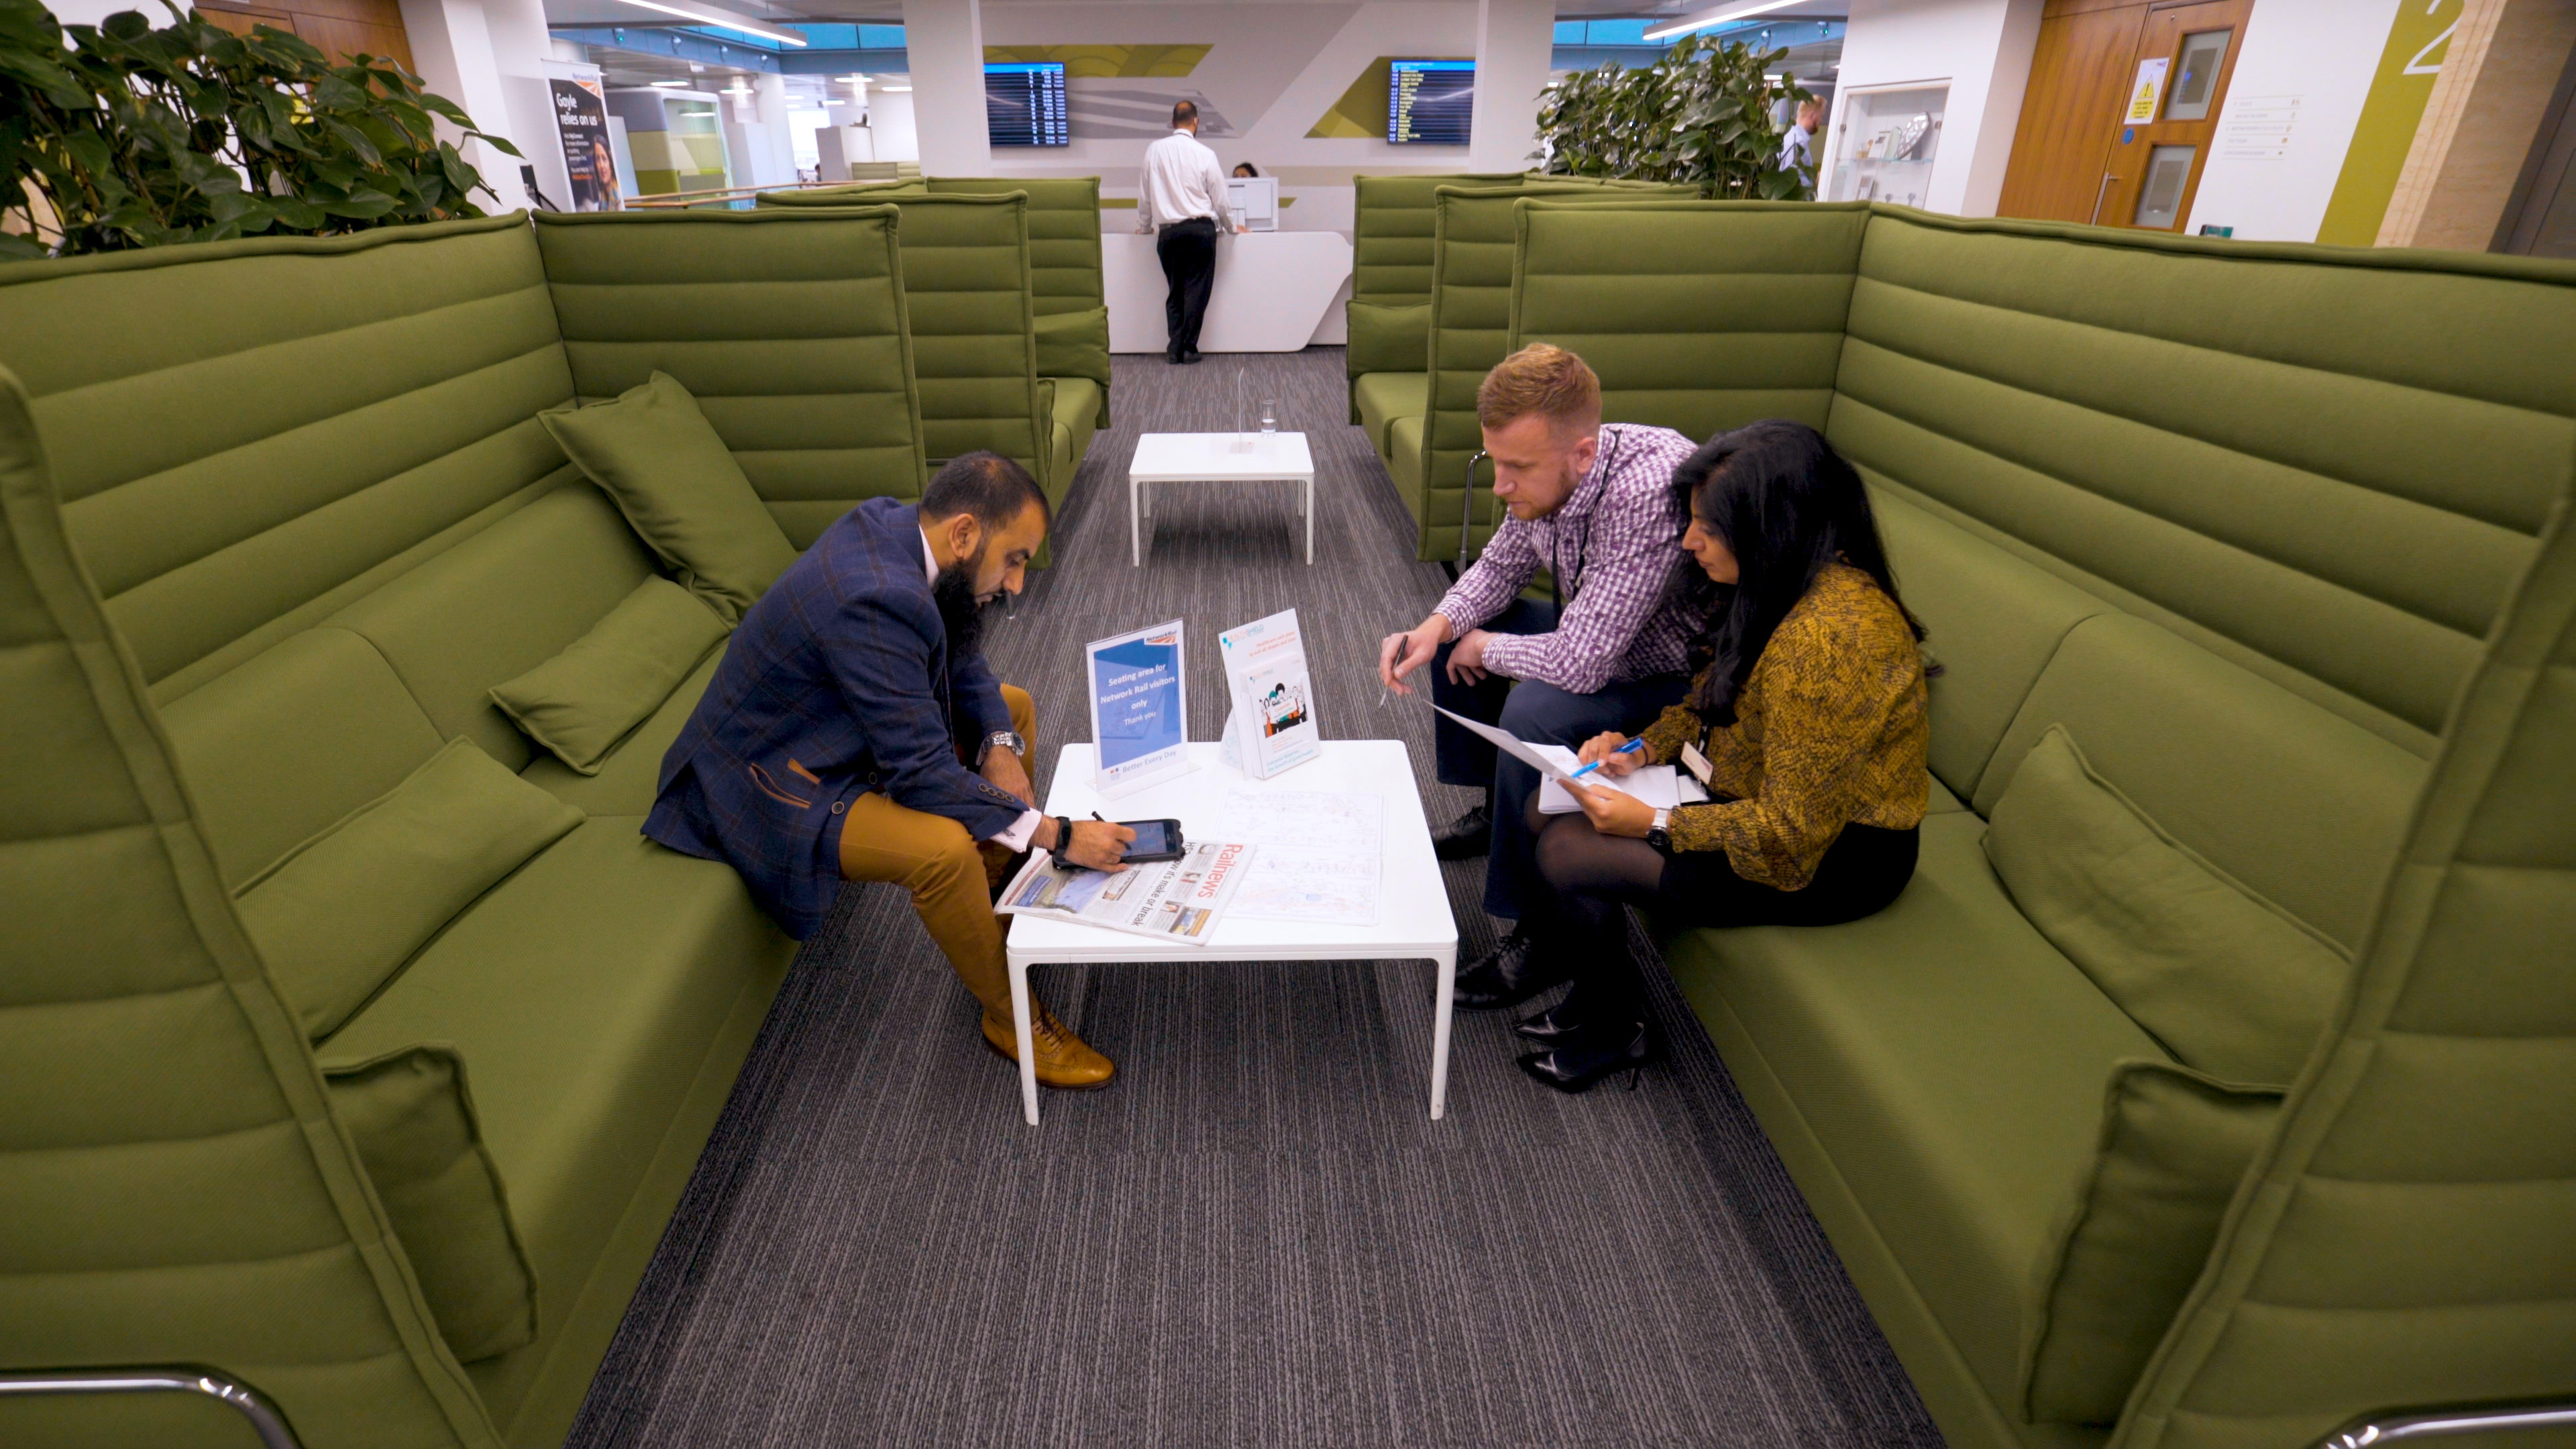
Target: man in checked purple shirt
x,y
1594,507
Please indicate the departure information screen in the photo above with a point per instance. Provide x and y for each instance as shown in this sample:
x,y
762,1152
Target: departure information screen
x,y
1024,104
1429,102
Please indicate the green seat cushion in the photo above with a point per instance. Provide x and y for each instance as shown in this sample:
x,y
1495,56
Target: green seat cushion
x,y
580,703
1384,397
587,991
417,1133
1077,408
2133,1237
1388,336
338,915
1076,344
1948,1060
629,776
657,456
2227,981
1404,461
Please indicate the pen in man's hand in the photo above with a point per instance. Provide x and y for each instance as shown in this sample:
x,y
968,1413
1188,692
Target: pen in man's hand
x,y
1630,748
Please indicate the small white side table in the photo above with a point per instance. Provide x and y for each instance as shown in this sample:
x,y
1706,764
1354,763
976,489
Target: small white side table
x,y
1216,458
1413,921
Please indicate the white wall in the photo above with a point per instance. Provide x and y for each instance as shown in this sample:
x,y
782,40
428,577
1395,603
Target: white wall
x,y
2309,60
451,47
1515,41
944,43
1982,48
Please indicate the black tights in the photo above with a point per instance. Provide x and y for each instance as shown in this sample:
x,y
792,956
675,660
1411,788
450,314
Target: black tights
x,y
1590,878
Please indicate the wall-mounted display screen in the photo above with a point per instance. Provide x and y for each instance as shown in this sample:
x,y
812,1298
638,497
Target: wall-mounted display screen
x,y
1430,102
1024,104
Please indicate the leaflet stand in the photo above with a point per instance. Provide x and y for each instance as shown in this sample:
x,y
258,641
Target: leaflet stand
x,y
1138,687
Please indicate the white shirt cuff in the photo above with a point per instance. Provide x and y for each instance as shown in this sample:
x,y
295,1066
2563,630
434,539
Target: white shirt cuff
x,y
1017,837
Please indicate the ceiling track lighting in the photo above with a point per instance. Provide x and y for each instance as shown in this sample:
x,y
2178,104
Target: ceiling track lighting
x,y
1701,21
709,15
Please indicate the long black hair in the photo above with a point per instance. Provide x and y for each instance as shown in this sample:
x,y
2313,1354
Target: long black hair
x,y
1787,505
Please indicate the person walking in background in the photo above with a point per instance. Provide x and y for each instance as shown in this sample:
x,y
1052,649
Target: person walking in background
x,y
1797,149
1181,204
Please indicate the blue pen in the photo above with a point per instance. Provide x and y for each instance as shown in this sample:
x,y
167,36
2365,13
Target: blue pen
x,y
1630,748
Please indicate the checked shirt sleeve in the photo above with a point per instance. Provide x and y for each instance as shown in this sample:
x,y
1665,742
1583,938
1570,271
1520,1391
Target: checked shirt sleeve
x,y
1488,586
1627,567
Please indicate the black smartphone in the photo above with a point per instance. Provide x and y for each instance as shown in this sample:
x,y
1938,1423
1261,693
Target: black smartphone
x,y
1155,840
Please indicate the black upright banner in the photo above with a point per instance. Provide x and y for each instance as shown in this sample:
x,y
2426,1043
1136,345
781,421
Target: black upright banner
x,y
581,119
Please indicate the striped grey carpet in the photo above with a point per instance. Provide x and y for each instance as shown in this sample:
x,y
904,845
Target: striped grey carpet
x,y
1256,1236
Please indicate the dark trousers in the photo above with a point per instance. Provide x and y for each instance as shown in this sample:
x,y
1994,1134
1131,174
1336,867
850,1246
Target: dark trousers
x,y
1188,252
1542,714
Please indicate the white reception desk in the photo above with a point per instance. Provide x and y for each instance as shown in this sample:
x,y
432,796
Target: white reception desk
x,y
1276,291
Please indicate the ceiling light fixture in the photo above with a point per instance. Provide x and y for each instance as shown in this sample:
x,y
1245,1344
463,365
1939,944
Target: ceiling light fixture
x,y
1689,23
722,20
894,88
670,83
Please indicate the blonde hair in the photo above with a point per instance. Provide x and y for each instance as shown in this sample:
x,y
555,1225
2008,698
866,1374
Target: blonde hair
x,y
1541,378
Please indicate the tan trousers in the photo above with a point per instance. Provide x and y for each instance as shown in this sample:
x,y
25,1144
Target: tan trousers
x,y
950,874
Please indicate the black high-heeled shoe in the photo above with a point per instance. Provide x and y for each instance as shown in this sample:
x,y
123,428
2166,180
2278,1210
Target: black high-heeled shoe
x,y
1577,1067
1559,1025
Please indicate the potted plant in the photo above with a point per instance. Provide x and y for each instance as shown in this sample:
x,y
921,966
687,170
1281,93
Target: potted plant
x,y
1701,113
134,137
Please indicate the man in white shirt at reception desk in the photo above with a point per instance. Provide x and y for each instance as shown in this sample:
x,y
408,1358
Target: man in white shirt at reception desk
x,y
1182,203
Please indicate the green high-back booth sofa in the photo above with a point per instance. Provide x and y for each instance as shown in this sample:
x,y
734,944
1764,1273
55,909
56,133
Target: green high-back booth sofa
x,y
2275,541
279,515
1430,286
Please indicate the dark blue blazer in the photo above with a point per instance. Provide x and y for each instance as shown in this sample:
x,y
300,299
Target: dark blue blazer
x,y
838,682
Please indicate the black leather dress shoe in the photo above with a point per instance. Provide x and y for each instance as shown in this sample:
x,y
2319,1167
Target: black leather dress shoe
x,y
1468,836
1508,975
1577,1066
1190,354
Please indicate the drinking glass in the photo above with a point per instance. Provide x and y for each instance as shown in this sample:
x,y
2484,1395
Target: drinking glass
x,y
1270,415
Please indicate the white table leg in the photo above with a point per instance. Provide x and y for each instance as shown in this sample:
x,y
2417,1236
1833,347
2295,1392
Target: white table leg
x,y
1135,532
1309,489
1439,1038
1022,1028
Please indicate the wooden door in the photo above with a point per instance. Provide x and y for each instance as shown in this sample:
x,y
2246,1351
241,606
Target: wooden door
x,y
2123,105
337,28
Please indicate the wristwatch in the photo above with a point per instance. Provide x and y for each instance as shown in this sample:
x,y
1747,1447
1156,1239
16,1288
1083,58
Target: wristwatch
x,y
1659,837
1004,739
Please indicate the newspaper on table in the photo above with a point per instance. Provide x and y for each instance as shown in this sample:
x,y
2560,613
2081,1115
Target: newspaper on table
x,y
1174,900
1320,854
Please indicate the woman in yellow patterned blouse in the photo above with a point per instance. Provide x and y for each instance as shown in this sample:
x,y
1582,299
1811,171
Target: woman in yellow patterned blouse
x,y
1807,726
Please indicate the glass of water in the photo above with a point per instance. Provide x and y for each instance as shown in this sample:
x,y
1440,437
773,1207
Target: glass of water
x,y
1270,415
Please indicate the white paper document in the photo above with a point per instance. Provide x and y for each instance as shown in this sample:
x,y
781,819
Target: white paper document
x,y
1657,785
1177,900
1519,749
1317,858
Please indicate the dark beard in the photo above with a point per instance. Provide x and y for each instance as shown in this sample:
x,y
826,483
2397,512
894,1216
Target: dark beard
x,y
960,612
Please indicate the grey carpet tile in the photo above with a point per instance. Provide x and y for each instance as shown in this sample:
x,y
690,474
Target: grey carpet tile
x,y
1256,1236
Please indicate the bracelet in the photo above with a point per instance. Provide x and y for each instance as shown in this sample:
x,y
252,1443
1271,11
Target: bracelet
x,y
1063,834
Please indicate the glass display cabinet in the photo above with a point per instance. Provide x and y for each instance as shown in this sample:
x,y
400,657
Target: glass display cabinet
x,y
1884,147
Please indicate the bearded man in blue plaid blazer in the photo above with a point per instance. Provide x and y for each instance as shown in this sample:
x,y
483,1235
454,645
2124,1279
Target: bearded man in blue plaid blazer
x,y
855,732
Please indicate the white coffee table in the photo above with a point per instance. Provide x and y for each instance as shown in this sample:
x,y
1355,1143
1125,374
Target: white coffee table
x,y
1216,458
1413,920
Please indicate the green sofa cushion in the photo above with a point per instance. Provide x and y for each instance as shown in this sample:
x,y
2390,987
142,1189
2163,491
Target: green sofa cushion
x,y
2225,980
2136,1233
1383,397
413,1119
1404,461
1388,337
588,991
630,776
1076,403
339,914
500,604
1076,344
653,452
580,703
1949,1062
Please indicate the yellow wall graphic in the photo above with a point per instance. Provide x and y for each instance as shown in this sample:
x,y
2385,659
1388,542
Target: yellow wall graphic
x,y
1362,109
1098,61
2389,116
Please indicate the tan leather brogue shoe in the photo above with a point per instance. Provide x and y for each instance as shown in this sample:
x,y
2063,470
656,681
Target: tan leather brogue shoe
x,y
1064,1061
